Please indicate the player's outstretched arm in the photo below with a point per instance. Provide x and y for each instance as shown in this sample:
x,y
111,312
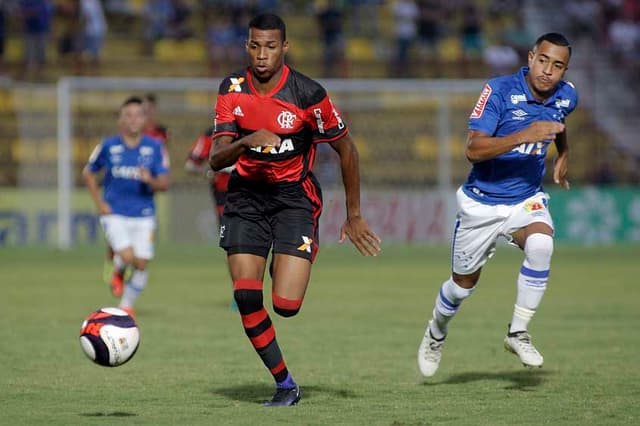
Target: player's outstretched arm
x,y
355,227
226,150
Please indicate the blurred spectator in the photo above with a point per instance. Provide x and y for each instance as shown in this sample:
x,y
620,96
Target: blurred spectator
x,y
405,19
499,9
179,20
95,29
222,50
330,20
584,17
3,33
36,20
157,14
516,35
71,37
431,20
624,36
501,58
120,15
363,17
471,34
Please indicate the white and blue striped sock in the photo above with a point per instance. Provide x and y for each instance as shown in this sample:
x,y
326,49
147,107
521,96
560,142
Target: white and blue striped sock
x,y
532,280
134,287
447,304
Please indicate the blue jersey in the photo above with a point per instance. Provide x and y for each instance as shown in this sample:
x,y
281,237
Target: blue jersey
x,y
507,106
123,190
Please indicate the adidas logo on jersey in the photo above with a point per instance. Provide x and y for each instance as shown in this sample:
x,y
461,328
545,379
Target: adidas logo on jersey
x,y
238,112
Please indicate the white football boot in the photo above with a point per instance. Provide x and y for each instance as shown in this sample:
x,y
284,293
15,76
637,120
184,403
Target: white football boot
x,y
519,343
429,353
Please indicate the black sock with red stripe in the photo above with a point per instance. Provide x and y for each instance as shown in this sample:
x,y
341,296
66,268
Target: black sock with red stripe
x,y
258,327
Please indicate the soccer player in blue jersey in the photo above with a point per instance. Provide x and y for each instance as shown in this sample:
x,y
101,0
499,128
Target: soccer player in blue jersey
x,y
135,167
511,127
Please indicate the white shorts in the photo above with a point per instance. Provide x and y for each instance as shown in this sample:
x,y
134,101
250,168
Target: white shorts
x,y
136,232
479,225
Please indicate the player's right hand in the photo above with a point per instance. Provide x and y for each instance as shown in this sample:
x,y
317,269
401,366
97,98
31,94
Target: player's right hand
x,y
104,208
543,131
262,137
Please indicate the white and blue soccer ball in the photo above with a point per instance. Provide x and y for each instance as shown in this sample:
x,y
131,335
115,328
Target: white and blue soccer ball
x,y
109,337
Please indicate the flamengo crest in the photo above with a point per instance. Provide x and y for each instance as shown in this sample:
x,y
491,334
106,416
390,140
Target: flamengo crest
x,y
286,119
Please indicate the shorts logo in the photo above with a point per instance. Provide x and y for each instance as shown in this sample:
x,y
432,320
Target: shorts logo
x,y
482,102
286,119
222,229
532,206
235,84
306,246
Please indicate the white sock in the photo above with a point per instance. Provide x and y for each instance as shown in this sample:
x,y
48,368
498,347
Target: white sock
x,y
118,263
447,304
532,280
134,287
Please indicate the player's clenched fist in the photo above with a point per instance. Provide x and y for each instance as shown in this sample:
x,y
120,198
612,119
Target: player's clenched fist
x,y
542,131
262,137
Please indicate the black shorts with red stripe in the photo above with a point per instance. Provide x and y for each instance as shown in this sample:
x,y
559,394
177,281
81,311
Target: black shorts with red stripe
x,y
259,217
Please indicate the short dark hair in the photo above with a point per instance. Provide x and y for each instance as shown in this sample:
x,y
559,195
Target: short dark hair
x,y
554,38
269,21
150,97
131,100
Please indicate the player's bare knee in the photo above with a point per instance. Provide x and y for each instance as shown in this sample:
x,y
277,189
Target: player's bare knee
x,y
538,250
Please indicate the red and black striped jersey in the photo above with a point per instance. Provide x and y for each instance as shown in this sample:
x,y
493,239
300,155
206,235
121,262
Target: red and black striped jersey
x,y
158,132
298,110
199,152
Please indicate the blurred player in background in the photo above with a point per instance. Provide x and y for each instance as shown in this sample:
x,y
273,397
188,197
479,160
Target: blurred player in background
x,y
135,167
111,272
269,119
511,127
198,162
152,127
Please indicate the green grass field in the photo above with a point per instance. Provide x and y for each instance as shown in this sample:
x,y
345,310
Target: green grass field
x,y
352,348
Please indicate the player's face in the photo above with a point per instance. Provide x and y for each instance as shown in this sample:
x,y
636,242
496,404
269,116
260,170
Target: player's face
x,y
547,65
266,51
132,119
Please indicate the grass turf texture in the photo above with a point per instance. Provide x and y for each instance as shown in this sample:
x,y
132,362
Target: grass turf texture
x,y
352,348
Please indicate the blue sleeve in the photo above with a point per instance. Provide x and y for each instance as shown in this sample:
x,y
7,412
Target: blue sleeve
x,y
486,114
97,159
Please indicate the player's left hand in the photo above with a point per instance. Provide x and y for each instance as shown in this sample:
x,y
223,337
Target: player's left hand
x,y
145,175
560,169
358,231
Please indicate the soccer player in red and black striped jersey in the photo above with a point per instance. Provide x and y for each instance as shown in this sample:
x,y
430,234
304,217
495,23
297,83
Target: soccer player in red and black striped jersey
x,y
269,119
198,159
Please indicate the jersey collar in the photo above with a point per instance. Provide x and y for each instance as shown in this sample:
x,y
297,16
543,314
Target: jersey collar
x,y
276,88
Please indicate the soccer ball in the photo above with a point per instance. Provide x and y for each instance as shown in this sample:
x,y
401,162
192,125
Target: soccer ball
x,y
109,337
